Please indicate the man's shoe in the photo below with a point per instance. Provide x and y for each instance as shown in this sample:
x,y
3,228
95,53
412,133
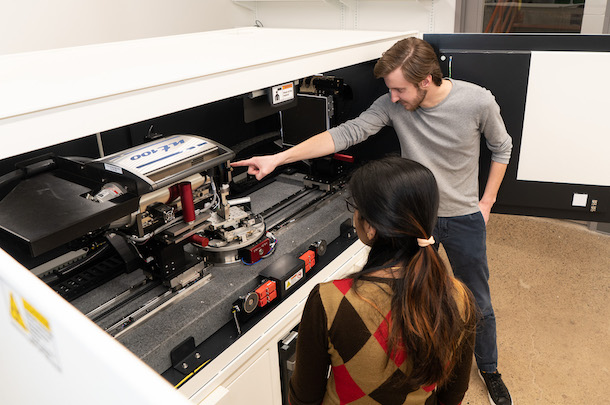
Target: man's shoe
x,y
497,391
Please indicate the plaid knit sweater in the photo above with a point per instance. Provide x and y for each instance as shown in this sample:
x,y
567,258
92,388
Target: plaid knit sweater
x,y
342,329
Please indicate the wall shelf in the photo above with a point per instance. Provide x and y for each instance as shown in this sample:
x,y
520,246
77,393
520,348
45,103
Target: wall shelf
x,y
251,4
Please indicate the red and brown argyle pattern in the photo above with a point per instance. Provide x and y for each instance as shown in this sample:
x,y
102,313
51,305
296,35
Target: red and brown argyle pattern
x,y
363,372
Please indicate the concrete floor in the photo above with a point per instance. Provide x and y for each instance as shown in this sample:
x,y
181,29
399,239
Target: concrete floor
x,y
550,285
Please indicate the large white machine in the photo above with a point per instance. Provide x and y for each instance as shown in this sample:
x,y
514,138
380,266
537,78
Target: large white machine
x,y
192,265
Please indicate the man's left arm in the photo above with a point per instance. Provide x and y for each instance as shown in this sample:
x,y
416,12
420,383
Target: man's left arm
x,y
496,175
500,144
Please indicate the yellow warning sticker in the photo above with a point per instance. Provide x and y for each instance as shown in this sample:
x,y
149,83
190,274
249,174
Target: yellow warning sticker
x,y
32,311
15,314
33,325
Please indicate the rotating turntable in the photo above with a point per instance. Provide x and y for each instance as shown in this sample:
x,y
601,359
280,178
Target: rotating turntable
x,y
229,237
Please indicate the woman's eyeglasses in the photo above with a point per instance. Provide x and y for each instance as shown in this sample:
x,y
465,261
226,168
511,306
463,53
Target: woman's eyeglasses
x,y
351,207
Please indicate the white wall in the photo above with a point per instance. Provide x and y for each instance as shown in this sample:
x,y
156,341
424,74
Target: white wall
x,y
31,25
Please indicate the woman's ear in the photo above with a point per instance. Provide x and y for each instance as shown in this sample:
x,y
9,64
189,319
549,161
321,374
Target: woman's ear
x,y
369,230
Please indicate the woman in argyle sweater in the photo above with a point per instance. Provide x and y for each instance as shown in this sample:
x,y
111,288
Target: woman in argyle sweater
x,y
400,331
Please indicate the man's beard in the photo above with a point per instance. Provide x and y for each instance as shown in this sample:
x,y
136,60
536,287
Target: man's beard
x,y
421,94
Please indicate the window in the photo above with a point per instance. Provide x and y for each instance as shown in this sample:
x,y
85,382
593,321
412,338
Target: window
x,y
532,16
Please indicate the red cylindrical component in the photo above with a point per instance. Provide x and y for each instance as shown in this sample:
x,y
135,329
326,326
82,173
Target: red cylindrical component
x,y
186,198
199,240
343,157
174,192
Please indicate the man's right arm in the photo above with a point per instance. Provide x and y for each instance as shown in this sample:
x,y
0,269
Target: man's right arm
x,y
352,132
316,146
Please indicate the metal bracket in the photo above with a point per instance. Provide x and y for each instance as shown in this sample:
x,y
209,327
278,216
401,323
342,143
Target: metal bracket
x,y
185,358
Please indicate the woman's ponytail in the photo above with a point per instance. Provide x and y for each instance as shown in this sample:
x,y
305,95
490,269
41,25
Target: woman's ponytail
x,y
427,319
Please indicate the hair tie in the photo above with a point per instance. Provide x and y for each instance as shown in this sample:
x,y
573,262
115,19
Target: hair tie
x,y
425,242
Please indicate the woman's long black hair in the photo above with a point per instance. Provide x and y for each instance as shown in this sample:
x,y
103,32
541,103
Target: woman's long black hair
x,y
399,199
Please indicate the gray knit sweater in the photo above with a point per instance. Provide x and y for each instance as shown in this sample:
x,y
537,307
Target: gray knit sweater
x,y
445,138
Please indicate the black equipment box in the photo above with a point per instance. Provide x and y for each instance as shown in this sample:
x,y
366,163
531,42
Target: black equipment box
x,y
288,272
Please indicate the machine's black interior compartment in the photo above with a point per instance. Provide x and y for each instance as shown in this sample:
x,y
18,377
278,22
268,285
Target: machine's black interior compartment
x,y
152,313
312,115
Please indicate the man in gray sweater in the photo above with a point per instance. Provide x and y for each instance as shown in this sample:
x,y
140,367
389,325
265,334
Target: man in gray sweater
x,y
439,123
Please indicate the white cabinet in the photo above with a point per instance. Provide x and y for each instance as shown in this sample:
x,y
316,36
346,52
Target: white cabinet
x,y
254,384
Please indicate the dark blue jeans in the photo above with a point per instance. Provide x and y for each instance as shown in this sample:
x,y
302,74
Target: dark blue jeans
x,y
463,238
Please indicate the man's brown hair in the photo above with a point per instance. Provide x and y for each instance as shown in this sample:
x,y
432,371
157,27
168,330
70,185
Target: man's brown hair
x,y
416,59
